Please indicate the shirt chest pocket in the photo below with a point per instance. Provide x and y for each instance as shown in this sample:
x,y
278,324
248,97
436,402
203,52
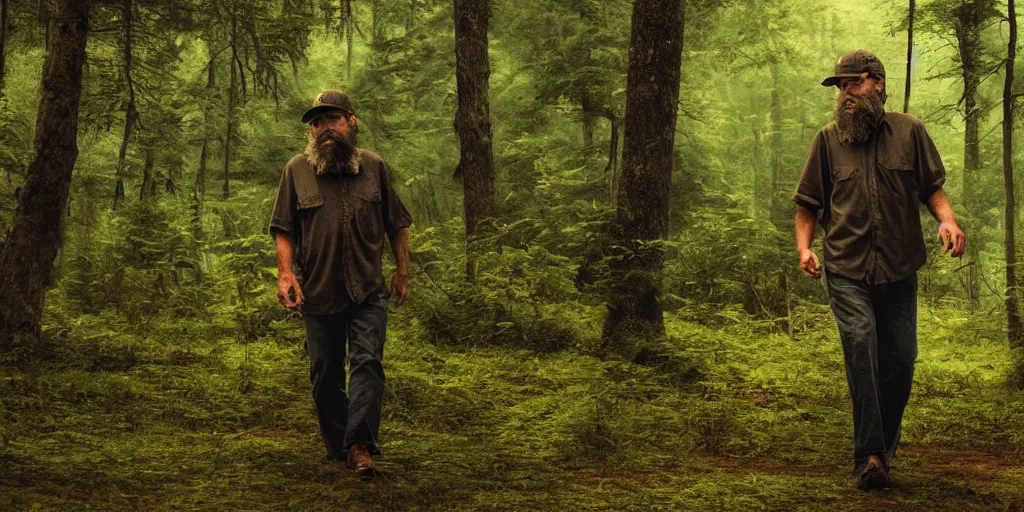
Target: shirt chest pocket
x,y
366,206
896,173
310,201
308,205
846,188
844,172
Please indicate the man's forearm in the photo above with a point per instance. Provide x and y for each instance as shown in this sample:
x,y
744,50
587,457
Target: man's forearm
x,y
285,251
400,246
805,220
938,205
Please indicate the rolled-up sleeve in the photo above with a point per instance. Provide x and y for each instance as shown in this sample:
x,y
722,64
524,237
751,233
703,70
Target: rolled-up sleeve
x,y
396,216
283,219
930,173
810,191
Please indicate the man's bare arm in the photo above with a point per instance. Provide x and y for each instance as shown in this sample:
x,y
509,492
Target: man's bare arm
x,y
400,281
954,240
400,246
285,253
805,221
286,281
938,205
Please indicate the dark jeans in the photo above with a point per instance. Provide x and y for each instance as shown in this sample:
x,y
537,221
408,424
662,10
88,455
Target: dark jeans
x,y
359,330
878,329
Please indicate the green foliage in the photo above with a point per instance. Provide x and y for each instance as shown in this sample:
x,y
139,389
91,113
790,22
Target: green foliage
x,y
521,297
168,376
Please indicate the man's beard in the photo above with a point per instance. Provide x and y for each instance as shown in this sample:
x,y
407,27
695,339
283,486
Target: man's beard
x,y
857,126
340,156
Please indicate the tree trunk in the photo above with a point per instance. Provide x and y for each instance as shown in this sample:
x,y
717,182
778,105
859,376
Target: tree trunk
x,y
148,188
910,54
473,118
231,103
587,118
3,43
43,16
211,76
26,262
968,30
347,26
131,115
376,23
201,172
169,185
211,81
613,154
1015,330
775,145
652,95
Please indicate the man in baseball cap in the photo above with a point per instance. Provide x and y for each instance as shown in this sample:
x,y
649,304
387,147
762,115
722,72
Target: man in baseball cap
x,y
335,203
863,181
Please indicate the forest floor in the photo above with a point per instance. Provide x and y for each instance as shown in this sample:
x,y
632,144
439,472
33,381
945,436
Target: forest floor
x,y
185,417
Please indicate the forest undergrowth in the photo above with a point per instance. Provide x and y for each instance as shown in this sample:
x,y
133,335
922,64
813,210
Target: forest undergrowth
x,y
104,414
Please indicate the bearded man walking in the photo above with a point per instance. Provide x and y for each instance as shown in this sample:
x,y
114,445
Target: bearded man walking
x,y
865,177
335,202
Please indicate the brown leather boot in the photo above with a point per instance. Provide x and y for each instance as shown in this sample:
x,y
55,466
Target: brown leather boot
x,y
874,475
359,459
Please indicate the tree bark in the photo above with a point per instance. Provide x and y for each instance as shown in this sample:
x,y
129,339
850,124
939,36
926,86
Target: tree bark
x,y
201,173
231,102
587,118
968,41
613,154
349,38
775,144
473,117
376,23
43,15
148,188
968,30
211,76
652,95
26,261
1014,328
910,54
131,115
170,186
4,22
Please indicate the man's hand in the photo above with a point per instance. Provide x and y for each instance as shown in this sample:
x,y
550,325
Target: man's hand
x,y
954,241
400,287
287,285
809,263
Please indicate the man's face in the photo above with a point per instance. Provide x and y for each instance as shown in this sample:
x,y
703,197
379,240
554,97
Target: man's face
x,y
332,143
858,87
335,121
860,106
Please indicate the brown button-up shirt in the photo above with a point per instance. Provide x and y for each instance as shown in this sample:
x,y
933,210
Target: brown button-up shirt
x,y
868,198
337,224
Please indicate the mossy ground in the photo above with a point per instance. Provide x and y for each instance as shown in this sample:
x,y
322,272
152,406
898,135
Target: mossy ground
x,y
184,417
